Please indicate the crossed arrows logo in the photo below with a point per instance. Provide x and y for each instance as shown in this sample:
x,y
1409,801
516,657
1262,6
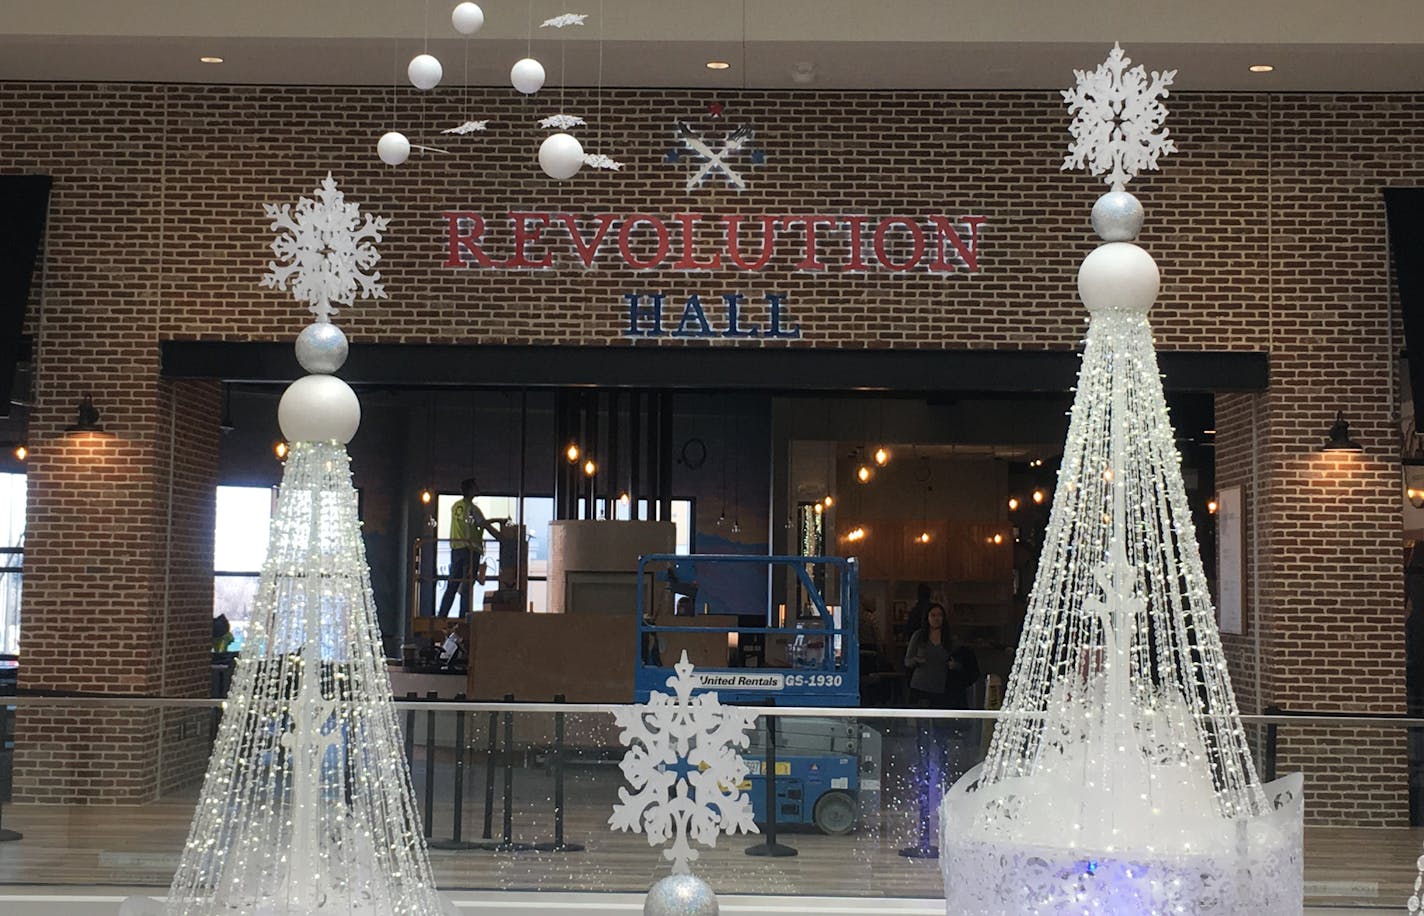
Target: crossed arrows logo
x,y
715,162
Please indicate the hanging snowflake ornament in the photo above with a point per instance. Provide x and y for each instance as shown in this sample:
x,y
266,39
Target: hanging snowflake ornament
x,y
468,127
685,768
564,21
600,161
562,122
1117,120
325,251
714,157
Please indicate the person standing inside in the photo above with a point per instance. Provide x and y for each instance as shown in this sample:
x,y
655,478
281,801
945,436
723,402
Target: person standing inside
x,y
467,545
941,675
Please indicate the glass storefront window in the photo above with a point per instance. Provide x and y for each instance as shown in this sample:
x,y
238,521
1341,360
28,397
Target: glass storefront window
x,y
243,520
12,559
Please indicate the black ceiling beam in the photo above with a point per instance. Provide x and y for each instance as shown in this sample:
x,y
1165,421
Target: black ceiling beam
x,y
701,368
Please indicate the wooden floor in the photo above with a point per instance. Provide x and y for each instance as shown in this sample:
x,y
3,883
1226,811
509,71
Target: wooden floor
x,y
139,846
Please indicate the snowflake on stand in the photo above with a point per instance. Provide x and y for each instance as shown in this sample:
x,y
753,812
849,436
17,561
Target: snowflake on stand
x,y
1118,115
325,251
685,768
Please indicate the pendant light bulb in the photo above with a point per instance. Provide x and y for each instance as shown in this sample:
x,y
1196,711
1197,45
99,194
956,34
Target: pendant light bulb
x,y
1038,496
572,452
624,498
862,473
589,468
280,450
21,453
1013,503
882,456
426,496
828,501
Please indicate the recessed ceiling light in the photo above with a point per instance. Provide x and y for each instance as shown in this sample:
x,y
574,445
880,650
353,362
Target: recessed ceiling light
x,y
718,65
211,60
1261,68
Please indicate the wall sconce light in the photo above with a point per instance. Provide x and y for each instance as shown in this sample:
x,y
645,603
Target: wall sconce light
x,y
997,538
1212,506
882,456
21,453
86,417
855,534
924,538
1416,497
426,496
1340,440
572,453
280,450
589,468
862,473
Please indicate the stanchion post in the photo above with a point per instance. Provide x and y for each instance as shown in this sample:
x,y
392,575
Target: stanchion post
x,y
770,848
458,815
506,843
429,764
490,748
559,845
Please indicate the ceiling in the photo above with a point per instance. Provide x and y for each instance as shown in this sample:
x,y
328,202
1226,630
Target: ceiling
x,y
1315,45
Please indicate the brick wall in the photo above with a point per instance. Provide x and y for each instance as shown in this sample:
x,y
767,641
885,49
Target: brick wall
x,y
1268,227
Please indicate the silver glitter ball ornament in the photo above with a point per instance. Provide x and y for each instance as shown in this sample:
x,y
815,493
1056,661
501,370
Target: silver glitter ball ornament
x,y
321,348
1117,217
680,895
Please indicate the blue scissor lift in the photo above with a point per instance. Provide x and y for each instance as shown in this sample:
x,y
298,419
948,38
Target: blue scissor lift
x,y
827,770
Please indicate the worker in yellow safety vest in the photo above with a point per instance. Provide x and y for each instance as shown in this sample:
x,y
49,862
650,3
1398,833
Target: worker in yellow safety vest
x,y
467,544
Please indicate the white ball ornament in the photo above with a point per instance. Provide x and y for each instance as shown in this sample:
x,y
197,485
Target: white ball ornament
x,y
560,156
1118,276
527,75
424,71
321,347
467,18
319,408
393,148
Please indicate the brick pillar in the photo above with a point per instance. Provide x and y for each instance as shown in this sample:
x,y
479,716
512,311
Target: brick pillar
x,y
118,586
1325,607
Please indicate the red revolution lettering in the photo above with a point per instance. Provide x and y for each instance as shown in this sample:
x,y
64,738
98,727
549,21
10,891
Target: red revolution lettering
x,y
817,242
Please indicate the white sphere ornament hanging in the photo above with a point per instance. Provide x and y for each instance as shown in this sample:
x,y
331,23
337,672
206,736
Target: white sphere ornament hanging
x,y
560,156
1118,276
424,71
393,148
319,408
527,76
467,18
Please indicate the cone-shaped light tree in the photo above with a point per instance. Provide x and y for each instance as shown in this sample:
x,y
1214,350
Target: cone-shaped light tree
x,y
1121,778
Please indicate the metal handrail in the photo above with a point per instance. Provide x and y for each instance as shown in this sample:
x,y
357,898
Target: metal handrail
x,y
789,712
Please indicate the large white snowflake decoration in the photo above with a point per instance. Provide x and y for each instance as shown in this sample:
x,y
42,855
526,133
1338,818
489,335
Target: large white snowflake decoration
x,y
564,20
685,767
600,161
325,251
1117,120
562,122
468,127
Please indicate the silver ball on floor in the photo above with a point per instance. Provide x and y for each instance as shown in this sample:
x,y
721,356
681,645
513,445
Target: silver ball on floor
x,y
680,895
